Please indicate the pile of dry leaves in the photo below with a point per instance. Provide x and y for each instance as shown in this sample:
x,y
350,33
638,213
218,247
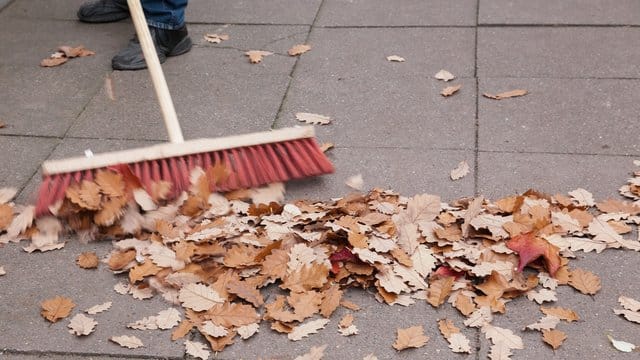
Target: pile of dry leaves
x,y
214,254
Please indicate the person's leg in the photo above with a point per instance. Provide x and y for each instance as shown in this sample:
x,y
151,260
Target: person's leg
x,y
168,31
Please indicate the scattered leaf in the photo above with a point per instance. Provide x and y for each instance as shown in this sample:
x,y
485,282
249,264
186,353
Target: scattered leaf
x,y
554,338
444,75
355,182
314,119
506,95
255,56
215,38
298,49
98,308
411,337
196,349
130,342
450,90
621,345
88,260
311,327
81,325
395,58
460,171
56,308
584,281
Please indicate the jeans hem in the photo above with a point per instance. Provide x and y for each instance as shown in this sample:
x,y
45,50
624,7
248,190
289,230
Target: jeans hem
x,y
164,26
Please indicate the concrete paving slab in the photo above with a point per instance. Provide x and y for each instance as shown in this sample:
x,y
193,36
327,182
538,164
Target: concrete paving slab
x,y
397,13
21,158
51,356
385,111
575,52
253,11
72,147
587,338
561,115
32,278
46,101
601,12
209,103
409,171
362,52
44,9
501,173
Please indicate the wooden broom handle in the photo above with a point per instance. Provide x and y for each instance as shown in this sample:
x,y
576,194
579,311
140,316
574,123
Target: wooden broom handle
x,y
155,70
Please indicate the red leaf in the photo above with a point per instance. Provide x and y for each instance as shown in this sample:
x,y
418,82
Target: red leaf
x,y
445,271
529,248
343,255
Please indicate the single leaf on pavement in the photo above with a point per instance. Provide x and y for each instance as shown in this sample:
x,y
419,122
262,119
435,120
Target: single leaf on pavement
x,y
255,56
81,325
444,75
499,335
633,316
460,171
196,349
506,94
450,90
314,119
554,338
216,38
2,271
412,337
56,308
306,329
130,342
88,260
98,308
458,343
199,297
395,58
299,49
315,353
546,323
621,345
629,303
584,281
355,182
561,313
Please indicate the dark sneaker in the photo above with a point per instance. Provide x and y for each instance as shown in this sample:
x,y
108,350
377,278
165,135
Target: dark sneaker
x,y
102,11
167,43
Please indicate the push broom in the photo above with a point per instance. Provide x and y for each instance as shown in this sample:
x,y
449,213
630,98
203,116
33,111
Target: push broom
x,y
251,159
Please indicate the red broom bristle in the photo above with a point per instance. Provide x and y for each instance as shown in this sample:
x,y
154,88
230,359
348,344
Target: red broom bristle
x,y
247,167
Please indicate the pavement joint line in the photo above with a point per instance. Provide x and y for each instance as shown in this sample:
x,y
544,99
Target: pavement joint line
x,y
274,123
477,103
556,153
84,354
560,77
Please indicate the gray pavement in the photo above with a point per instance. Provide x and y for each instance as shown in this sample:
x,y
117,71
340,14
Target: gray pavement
x,y
578,127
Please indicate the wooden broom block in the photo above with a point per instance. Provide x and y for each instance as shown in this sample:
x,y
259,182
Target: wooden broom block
x,y
168,150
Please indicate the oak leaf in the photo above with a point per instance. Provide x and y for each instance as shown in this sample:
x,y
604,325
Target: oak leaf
x,y
464,304
506,94
211,329
247,331
307,278
444,75
298,49
255,56
110,211
164,257
458,343
6,216
629,303
215,38
182,330
315,353
529,248
130,342
561,313
500,351
423,260
81,325
582,197
232,314
99,308
499,335
111,183
196,349
411,337
219,343
395,58
633,316
331,300
460,171
554,338
584,281
305,304
56,308
275,264
314,119
542,295
479,318
199,297
88,260
166,319
355,182
246,292
617,206
439,288
622,345
86,195
311,327
546,323
450,90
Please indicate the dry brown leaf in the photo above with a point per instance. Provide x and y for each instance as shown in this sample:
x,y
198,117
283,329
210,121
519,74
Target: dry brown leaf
x,y
444,75
584,281
196,349
324,147
561,313
307,278
6,216
299,49
411,337
130,342
56,308
82,325
311,327
247,331
315,353
78,51
464,304
554,338
439,290
629,303
331,300
86,195
447,328
211,329
499,335
215,38
314,119
246,291
182,330
395,58
139,272
98,308
255,56
232,314
355,182
349,305
546,323
506,95
51,62
450,90
199,297
88,260
633,316
460,171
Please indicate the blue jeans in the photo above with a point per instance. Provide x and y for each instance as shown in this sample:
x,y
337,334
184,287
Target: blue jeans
x,y
164,14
